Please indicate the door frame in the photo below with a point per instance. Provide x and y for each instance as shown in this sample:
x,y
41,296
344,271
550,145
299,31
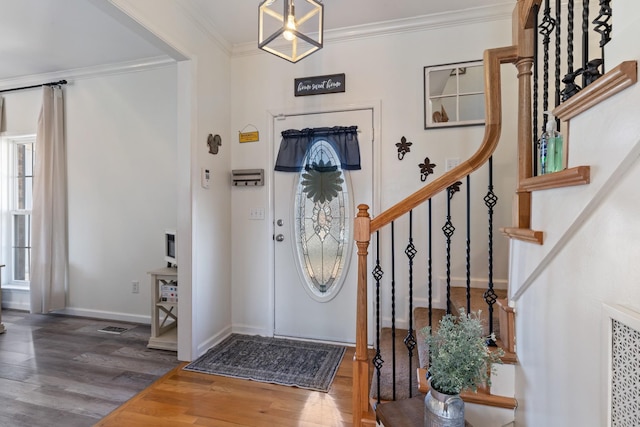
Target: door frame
x,y
272,116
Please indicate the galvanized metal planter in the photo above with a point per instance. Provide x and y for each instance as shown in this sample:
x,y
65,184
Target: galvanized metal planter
x,y
443,410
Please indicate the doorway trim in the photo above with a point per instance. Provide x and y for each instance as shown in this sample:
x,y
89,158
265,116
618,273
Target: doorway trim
x,y
275,114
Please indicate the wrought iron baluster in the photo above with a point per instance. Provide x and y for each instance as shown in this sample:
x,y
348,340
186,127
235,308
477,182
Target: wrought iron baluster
x,y
393,310
569,80
558,29
490,297
570,18
430,267
585,39
468,243
410,339
448,229
603,26
377,275
546,28
536,9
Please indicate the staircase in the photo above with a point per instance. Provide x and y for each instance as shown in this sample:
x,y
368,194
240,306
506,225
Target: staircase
x,y
493,406
448,184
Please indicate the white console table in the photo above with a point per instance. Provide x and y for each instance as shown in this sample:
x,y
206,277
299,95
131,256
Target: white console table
x,y
2,328
164,314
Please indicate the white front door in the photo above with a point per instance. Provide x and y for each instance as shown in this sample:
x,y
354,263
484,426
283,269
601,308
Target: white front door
x,y
315,255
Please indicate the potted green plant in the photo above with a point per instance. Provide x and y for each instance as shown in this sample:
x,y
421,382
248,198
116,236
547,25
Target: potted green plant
x,y
460,360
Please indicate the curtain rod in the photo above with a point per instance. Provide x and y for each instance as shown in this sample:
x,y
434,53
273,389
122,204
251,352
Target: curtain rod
x,y
58,83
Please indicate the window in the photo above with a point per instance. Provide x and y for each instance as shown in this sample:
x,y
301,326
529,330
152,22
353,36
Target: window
x,y
18,157
322,220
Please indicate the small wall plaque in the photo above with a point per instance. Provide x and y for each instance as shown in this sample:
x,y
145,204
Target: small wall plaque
x,y
249,136
318,85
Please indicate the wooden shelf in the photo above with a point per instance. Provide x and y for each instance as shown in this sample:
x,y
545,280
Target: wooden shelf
x,y
612,82
524,234
166,341
579,175
164,314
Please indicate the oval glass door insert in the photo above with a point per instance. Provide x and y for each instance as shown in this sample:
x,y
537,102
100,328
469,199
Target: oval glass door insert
x,y
322,225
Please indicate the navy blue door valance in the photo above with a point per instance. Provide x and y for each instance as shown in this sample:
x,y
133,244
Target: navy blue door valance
x,y
296,143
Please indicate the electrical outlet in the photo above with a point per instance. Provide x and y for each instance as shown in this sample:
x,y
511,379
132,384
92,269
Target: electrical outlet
x,y
135,287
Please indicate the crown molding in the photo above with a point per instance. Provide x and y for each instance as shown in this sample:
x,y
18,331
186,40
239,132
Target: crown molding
x,y
199,17
90,72
419,23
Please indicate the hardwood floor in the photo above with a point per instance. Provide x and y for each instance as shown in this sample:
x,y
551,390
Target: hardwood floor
x,y
60,371
184,398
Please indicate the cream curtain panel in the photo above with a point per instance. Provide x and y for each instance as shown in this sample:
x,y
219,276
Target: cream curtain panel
x,y
49,253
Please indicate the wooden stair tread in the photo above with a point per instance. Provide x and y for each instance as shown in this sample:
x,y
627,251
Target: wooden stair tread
x,y
404,413
459,300
421,321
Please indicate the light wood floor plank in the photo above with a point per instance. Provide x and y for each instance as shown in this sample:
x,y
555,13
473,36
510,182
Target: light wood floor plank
x,y
196,399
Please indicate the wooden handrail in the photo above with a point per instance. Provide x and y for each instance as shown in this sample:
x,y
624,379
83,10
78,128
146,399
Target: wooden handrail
x,y
493,108
527,15
364,226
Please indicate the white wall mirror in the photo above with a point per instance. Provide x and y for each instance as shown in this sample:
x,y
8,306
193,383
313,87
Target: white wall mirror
x,y
454,95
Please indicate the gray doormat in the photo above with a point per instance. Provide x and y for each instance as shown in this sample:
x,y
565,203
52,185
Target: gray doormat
x,y
303,364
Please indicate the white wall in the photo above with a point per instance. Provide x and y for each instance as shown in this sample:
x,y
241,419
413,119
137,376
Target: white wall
x,y
204,215
589,259
386,69
121,149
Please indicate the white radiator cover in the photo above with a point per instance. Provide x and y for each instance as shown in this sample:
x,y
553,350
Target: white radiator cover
x,y
623,356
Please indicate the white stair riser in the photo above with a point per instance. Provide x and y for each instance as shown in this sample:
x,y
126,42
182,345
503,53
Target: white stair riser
x,y
503,381
487,416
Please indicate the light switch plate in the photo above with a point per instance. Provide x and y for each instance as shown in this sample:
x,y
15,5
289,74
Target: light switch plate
x,y
256,213
451,163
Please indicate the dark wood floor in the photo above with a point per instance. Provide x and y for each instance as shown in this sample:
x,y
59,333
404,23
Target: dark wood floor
x,y
60,371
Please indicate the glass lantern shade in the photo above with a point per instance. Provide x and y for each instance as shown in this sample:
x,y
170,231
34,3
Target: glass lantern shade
x,y
290,31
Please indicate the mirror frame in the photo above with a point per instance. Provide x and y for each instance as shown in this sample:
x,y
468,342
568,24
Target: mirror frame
x,y
461,67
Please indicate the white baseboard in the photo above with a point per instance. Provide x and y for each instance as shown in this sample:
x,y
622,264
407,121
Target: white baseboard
x,y
215,339
252,330
18,299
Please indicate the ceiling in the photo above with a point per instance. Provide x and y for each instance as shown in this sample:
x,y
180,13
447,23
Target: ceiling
x,y
49,36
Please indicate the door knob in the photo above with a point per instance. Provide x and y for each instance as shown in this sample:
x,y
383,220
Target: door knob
x,y
279,238
280,222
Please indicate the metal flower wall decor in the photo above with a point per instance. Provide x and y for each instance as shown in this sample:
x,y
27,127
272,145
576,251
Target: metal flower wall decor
x,y
403,147
322,182
426,169
454,188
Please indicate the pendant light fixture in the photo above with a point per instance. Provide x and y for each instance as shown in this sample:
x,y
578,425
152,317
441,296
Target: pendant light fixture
x,y
290,31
